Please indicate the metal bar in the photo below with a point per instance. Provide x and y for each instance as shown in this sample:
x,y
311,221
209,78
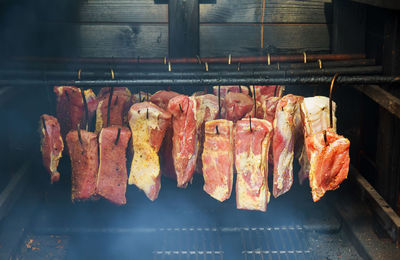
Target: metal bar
x,y
382,97
348,80
250,59
198,74
14,188
186,67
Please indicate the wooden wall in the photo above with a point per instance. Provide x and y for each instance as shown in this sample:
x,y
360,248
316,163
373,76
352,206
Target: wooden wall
x,y
131,28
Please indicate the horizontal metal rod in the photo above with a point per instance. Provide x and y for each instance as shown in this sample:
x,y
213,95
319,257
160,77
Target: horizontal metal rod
x,y
35,74
249,59
184,67
316,80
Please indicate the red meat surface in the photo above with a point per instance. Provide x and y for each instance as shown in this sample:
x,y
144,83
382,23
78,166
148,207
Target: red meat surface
x,y
51,145
251,162
84,161
112,175
217,159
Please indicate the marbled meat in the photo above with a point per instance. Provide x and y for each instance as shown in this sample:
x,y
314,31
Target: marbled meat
x,y
83,153
185,143
148,124
217,159
251,161
51,145
112,175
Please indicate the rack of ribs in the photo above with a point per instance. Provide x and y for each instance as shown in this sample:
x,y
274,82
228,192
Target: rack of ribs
x,y
184,141
148,124
283,143
83,153
112,175
252,141
51,145
217,159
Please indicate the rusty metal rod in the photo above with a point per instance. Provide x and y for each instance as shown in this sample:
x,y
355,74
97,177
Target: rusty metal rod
x,y
363,70
314,80
249,59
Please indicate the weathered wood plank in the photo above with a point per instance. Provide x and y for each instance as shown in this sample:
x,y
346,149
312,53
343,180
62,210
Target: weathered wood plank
x,y
242,40
390,4
183,28
118,40
382,97
223,11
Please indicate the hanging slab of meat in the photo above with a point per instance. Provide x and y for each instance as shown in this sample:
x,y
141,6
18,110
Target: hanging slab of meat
x,y
314,112
269,107
104,92
85,162
120,104
329,160
112,175
51,145
161,99
217,159
264,93
283,144
237,105
185,143
143,96
251,162
148,124
226,89
207,110
70,107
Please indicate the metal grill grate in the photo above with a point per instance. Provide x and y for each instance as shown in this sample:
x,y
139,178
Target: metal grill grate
x,y
190,243
274,243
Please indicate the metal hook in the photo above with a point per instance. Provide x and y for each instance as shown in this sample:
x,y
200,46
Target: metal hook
x,y
238,66
269,59
109,105
44,125
326,143
219,102
118,134
147,96
147,113
79,74
330,100
169,66
79,133
180,108
165,60
251,129
206,65
229,59
85,106
320,63
240,89
112,74
216,128
198,59
255,102
278,65
276,88
305,57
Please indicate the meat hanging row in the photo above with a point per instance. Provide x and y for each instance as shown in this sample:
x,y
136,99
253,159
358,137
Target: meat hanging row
x,y
250,131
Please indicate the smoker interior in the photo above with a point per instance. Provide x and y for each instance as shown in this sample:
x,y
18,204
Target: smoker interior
x,y
180,224
39,221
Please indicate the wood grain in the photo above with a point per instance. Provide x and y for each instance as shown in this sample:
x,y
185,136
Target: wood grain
x,y
223,11
242,40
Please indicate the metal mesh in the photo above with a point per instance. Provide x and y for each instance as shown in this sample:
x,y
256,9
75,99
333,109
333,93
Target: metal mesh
x,y
275,243
189,243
